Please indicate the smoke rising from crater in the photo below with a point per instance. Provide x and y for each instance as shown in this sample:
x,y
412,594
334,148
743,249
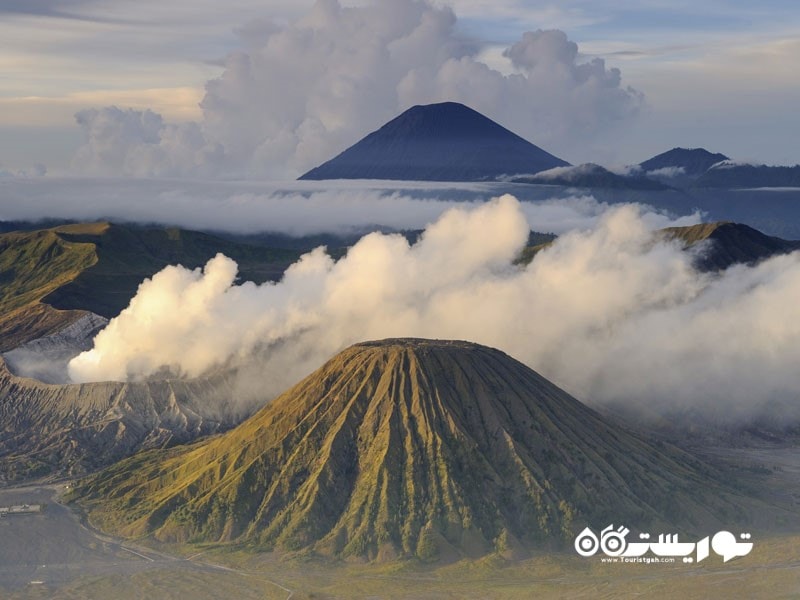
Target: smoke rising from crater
x,y
611,313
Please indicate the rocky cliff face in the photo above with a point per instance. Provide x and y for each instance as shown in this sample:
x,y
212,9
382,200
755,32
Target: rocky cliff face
x,y
70,429
46,358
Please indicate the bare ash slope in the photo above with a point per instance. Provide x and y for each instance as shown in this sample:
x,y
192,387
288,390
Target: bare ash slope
x,y
405,448
70,429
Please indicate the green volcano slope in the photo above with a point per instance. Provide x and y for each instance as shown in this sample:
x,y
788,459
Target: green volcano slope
x,y
32,265
49,278
125,255
407,448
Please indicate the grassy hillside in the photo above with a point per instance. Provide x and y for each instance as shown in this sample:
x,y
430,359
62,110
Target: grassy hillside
x,y
33,264
49,277
126,255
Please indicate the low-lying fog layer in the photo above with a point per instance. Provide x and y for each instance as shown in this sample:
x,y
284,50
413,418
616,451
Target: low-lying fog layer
x,y
610,312
294,207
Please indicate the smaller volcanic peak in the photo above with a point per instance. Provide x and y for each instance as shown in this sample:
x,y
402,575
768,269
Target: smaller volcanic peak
x,y
408,448
729,244
437,142
690,162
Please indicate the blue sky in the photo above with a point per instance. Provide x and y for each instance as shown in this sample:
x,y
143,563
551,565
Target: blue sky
x,y
719,74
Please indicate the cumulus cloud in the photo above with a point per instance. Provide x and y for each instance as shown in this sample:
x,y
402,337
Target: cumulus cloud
x,y
296,94
139,143
612,313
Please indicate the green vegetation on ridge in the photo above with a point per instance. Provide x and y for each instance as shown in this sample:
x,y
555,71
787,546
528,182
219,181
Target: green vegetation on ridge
x,y
49,277
127,255
33,264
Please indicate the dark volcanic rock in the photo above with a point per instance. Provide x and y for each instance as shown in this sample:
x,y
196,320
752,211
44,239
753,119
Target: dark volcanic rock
x,y
729,244
749,176
693,161
437,142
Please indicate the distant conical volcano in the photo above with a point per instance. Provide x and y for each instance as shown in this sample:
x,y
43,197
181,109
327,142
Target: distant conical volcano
x,y
438,142
690,161
407,448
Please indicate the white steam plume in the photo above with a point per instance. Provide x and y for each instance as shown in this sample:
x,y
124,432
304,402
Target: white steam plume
x,y
611,314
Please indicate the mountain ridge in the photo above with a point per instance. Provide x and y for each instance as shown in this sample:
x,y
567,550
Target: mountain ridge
x,y
692,161
447,141
729,243
737,176
50,278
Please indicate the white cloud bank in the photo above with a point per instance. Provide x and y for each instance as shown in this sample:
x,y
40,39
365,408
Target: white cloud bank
x,y
296,94
610,313
294,208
